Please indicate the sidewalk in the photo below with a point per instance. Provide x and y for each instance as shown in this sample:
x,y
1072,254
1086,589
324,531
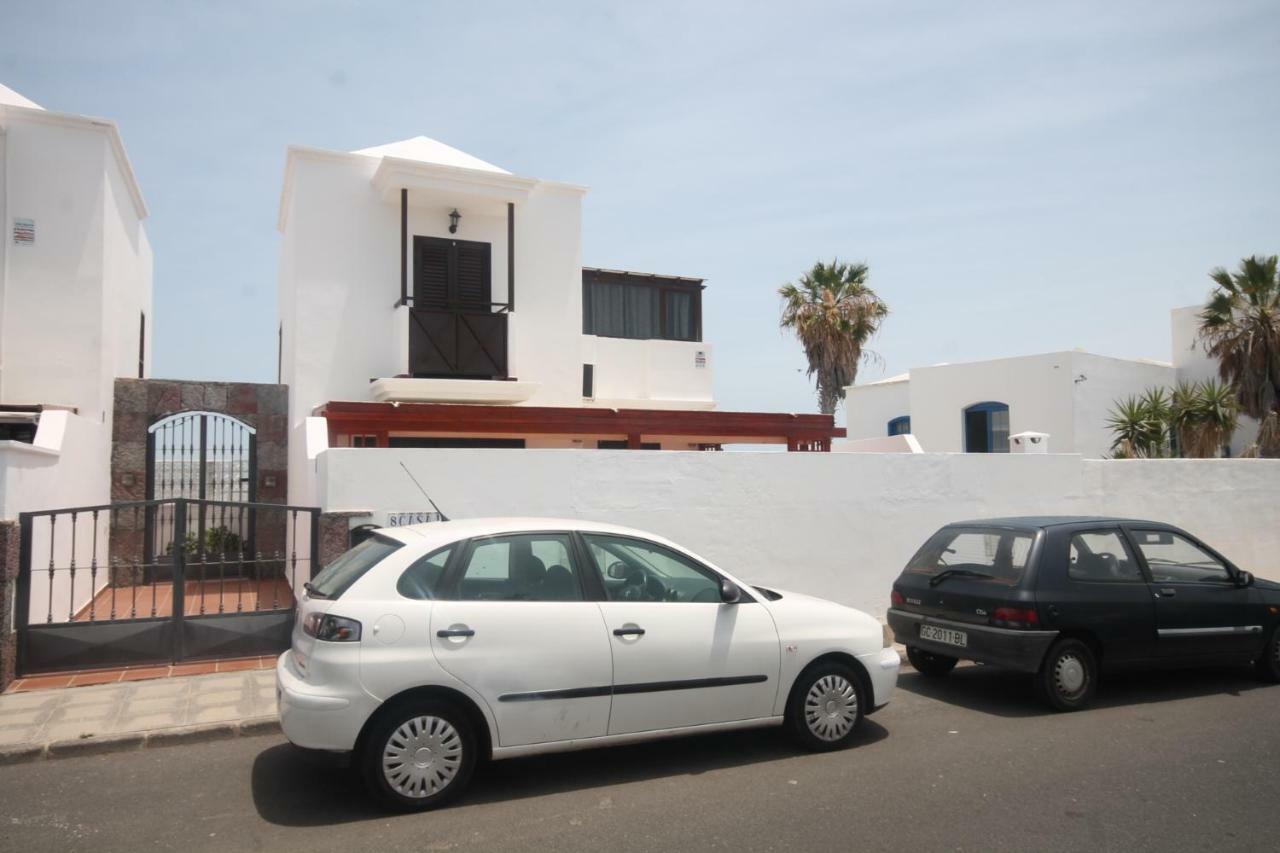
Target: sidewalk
x,y
130,715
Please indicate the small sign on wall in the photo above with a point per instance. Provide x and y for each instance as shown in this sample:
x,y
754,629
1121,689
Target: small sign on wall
x,y
24,232
700,359
404,519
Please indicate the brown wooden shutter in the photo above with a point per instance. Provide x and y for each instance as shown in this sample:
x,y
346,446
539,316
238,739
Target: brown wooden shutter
x,y
431,273
474,280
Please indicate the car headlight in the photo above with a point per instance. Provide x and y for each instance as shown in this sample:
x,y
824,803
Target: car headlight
x,y
332,629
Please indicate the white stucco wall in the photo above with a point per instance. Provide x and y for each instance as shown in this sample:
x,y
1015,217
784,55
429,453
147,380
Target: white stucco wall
x,y
840,525
869,408
1066,394
72,300
649,374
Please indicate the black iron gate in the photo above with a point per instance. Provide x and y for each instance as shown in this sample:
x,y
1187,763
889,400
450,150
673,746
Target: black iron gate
x,y
203,456
101,586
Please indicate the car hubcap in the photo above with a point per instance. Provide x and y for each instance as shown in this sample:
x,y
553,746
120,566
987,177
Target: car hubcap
x,y
831,707
422,756
1069,675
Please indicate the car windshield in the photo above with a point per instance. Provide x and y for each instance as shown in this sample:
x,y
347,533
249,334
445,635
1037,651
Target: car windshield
x,y
335,578
991,555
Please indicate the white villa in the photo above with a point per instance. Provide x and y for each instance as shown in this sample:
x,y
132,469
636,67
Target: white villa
x,y
75,300
430,299
1060,400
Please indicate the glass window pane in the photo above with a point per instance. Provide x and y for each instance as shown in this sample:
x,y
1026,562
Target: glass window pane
x,y
1100,556
1000,554
335,578
1176,559
420,579
635,570
642,312
528,567
679,316
999,431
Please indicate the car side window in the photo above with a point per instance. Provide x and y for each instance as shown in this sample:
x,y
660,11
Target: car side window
x,y
420,580
1176,559
522,567
637,570
1101,555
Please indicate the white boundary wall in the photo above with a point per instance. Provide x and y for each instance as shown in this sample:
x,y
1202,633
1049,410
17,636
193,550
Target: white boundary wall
x,y
838,525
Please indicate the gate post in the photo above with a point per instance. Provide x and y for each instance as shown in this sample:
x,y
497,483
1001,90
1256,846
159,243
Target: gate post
x,y
179,575
15,595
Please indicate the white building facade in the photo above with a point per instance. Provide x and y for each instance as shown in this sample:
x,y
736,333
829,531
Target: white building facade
x,y
75,301
976,407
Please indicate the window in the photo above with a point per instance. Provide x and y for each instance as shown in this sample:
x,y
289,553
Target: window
x,y
1101,556
986,428
527,567
900,425
991,555
588,381
635,570
451,274
454,442
419,581
623,444
1176,559
642,307
337,577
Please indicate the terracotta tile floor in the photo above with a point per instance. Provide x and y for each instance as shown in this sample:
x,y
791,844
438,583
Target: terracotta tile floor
x,y
84,678
198,597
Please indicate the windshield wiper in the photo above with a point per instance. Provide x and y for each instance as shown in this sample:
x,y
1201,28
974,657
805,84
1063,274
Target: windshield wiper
x,y
943,575
313,591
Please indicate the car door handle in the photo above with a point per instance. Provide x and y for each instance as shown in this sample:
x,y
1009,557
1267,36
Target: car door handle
x,y
445,633
1168,593
635,631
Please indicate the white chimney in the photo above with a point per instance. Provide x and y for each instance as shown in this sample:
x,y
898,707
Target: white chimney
x,y
1029,442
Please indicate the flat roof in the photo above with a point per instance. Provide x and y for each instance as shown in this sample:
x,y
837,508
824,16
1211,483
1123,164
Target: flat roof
x,y
601,271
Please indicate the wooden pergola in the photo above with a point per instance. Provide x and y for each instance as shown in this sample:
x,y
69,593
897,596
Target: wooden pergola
x,y
376,421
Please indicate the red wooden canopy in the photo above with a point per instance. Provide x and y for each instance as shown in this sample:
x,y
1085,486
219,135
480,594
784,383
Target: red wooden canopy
x,y
799,432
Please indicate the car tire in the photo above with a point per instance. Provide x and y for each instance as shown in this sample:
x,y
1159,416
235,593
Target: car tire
x,y
930,664
826,707
1069,675
1268,666
419,755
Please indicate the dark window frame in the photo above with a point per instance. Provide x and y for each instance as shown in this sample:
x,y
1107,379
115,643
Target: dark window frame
x,y
899,421
986,408
665,287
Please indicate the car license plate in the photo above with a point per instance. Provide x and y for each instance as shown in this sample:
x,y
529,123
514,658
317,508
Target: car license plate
x,y
945,636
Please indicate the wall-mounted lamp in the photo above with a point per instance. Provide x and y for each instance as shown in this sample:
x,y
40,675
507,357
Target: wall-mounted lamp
x,y
454,216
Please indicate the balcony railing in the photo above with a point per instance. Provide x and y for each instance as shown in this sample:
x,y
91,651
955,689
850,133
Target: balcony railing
x,y
458,342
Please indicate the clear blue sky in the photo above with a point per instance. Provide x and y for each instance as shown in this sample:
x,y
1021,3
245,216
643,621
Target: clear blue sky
x,y
1021,177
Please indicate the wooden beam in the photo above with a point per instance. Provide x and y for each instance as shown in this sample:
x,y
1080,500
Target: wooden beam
x,y
511,256
404,246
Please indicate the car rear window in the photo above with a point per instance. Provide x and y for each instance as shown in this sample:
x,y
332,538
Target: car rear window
x,y
992,555
335,578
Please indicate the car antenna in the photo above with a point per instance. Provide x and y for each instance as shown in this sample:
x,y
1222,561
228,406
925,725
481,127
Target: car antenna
x,y
443,517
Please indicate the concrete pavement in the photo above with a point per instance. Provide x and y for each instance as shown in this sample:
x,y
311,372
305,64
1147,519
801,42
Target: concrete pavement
x,y
124,715
1166,761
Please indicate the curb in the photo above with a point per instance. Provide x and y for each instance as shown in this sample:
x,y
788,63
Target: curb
x,y
23,753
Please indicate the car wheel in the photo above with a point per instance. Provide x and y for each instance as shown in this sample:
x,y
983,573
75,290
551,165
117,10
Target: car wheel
x,y
419,755
1268,665
927,663
1068,676
825,707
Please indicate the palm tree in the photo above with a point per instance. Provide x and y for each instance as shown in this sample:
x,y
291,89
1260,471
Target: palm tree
x,y
834,314
1204,416
1140,426
1240,327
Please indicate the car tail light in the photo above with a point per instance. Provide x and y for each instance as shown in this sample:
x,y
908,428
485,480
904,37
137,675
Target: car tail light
x,y
1015,617
332,629
896,599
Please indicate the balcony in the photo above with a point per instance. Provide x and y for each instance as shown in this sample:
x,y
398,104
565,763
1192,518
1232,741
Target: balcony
x,y
463,342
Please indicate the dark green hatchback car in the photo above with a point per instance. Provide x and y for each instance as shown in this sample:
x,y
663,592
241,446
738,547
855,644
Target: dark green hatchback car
x,y
1061,597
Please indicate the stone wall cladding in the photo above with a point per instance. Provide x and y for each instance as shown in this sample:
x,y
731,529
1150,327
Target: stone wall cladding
x,y
8,588
139,403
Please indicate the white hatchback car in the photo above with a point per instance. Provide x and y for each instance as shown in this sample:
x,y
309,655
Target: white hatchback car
x,y
427,648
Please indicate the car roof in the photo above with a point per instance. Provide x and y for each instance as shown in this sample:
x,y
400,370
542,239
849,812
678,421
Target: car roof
x,y
434,533
1038,522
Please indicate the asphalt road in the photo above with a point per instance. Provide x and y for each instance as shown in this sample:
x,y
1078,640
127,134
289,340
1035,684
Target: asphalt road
x,y
1169,761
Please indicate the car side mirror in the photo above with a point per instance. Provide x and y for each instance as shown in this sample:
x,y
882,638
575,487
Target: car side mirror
x,y
729,592
1244,579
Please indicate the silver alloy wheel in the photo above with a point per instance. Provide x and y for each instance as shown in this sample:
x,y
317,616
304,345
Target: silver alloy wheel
x,y
422,756
1069,675
831,707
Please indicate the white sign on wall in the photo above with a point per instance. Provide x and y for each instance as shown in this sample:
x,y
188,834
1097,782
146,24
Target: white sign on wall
x,y
404,519
700,359
24,232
